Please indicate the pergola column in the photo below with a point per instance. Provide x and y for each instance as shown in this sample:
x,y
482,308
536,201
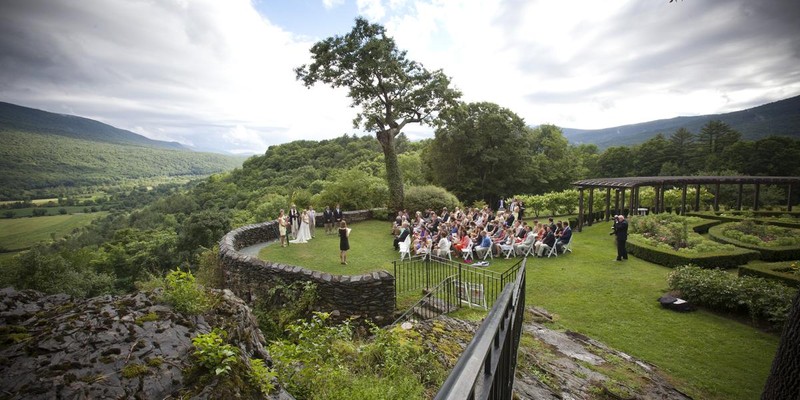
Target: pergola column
x,y
683,200
697,198
616,202
789,197
661,200
608,204
739,199
622,196
633,204
755,200
716,199
580,209
591,205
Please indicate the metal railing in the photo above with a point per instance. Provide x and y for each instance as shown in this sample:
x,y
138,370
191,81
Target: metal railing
x,y
439,300
425,272
486,368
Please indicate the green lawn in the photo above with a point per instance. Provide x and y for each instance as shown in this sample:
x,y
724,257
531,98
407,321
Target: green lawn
x,y
20,233
706,355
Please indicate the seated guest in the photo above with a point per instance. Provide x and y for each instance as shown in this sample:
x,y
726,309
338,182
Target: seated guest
x,y
527,242
442,247
484,244
566,236
404,232
547,243
508,242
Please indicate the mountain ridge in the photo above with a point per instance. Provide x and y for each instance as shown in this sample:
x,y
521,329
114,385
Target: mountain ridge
x,y
21,118
781,118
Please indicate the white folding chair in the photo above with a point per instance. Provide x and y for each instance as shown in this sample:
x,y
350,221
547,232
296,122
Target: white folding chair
x,y
442,251
484,252
467,251
405,248
553,251
567,247
508,250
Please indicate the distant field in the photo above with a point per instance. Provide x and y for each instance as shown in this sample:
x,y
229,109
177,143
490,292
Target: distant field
x,y
21,233
34,201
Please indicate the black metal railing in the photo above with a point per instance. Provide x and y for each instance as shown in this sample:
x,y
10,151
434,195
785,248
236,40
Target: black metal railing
x,y
439,300
423,272
486,368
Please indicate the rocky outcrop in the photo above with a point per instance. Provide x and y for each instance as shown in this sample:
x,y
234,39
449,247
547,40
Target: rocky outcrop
x,y
118,347
556,364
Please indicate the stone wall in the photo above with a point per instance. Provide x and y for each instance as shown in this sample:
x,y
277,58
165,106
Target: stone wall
x,y
363,296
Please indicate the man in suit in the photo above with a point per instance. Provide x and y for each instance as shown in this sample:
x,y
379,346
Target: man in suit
x,y
327,217
294,220
620,230
566,236
337,214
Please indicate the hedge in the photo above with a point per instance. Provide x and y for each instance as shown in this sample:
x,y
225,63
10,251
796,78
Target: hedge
x,y
672,259
769,271
730,218
785,253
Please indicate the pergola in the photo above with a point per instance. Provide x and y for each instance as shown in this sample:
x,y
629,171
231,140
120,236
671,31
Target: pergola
x,y
660,183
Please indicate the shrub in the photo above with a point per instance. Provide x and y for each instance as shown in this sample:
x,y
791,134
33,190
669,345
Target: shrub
x,y
261,376
212,353
667,231
419,198
716,289
183,293
320,361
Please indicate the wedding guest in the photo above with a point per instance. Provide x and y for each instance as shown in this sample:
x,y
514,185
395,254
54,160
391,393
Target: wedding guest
x,y
344,240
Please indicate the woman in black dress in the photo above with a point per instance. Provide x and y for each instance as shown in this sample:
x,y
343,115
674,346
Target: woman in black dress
x,y
344,240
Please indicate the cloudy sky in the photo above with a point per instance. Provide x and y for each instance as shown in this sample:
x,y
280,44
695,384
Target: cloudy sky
x,y
219,74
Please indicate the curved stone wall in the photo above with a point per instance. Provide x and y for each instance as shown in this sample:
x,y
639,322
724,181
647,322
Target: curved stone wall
x,y
362,296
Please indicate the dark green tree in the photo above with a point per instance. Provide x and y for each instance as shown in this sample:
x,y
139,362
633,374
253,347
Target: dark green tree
x,y
481,151
615,162
681,150
391,90
650,156
553,160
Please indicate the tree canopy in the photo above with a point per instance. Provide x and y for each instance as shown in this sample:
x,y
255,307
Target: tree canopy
x,y
391,90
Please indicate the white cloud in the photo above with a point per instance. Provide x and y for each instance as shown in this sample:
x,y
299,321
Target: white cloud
x,y
329,4
220,75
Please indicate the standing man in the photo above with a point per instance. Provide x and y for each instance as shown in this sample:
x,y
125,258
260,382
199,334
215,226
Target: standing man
x,y
337,214
294,220
620,230
327,217
312,220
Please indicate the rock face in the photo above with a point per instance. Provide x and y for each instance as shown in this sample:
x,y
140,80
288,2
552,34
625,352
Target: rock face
x,y
117,347
558,365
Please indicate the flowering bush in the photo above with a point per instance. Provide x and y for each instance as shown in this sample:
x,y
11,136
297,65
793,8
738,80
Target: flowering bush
x,y
748,231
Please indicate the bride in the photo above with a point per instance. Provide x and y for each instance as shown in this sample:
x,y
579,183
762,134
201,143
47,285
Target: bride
x,y
303,234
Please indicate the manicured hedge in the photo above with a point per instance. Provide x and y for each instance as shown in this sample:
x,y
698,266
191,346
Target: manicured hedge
x,y
736,218
705,226
770,271
671,258
785,253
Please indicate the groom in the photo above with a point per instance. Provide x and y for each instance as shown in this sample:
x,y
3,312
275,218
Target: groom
x,y
294,220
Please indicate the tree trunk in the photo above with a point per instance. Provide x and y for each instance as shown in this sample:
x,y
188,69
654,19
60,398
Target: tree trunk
x,y
393,176
784,378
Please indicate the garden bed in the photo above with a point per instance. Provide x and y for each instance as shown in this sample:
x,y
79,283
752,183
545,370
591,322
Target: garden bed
x,y
667,239
773,243
783,219
782,272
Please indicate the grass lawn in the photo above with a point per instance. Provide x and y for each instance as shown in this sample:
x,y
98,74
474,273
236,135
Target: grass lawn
x,y
20,233
707,355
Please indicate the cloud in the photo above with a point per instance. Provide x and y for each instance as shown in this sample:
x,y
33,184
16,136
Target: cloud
x,y
219,75
160,67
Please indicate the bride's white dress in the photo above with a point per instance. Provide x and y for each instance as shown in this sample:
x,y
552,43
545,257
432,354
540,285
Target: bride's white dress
x,y
303,234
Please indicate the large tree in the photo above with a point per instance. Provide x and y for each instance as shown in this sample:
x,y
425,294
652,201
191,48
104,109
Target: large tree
x,y
391,90
482,151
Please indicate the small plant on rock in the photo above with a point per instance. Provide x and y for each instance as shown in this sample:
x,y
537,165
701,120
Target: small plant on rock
x,y
181,290
261,376
213,353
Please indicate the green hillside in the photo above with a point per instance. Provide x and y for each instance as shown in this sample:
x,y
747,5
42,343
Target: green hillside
x,y
781,118
25,119
31,161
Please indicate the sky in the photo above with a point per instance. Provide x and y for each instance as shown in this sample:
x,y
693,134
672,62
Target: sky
x,y
219,75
